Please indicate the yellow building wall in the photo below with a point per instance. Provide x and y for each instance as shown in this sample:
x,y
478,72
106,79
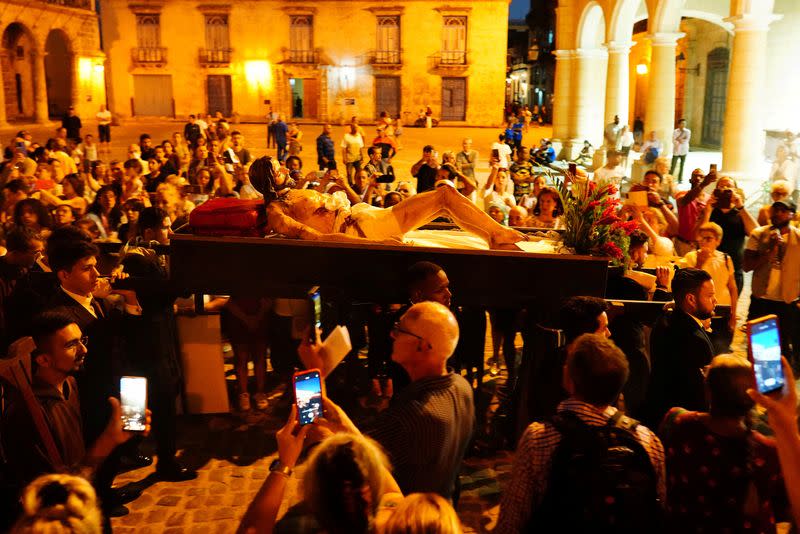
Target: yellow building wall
x,y
344,32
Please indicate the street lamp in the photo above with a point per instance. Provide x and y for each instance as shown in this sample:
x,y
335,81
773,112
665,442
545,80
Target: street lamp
x,y
641,69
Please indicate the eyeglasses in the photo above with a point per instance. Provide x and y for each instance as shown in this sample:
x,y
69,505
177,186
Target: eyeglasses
x,y
397,329
75,342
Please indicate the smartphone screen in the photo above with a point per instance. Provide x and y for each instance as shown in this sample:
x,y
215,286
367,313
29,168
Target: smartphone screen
x,y
308,396
315,300
765,347
133,400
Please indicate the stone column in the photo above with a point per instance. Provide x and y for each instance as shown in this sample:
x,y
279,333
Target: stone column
x,y
562,98
75,88
589,74
618,82
743,136
40,111
3,121
660,114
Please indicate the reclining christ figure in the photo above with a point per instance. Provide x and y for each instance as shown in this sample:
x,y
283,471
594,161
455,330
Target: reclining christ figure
x,y
308,214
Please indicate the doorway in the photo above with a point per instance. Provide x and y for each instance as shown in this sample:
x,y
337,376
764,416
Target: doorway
x,y
152,95
716,93
305,97
58,72
454,99
387,95
219,94
17,69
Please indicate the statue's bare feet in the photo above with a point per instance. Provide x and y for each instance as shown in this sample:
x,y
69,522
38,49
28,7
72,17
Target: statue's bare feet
x,y
504,239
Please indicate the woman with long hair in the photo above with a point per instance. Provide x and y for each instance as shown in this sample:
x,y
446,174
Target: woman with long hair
x,y
548,209
347,486
105,211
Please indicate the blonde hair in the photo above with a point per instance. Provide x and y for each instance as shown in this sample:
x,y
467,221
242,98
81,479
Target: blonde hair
x,y
782,186
59,504
337,473
659,217
711,227
423,513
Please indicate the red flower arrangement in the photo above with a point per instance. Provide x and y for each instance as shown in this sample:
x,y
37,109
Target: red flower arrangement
x,y
590,219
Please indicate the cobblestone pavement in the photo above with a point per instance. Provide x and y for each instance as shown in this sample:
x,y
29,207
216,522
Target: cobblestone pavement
x,y
232,454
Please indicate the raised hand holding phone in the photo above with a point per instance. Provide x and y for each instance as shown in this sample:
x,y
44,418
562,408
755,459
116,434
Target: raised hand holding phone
x,y
764,350
308,388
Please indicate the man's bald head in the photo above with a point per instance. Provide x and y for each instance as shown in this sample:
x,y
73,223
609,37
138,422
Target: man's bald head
x,y
426,335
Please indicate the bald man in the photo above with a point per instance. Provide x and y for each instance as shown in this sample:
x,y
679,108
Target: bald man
x,y
427,427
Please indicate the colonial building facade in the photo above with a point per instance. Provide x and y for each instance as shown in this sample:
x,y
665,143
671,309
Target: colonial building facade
x,y
323,60
722,64
50,59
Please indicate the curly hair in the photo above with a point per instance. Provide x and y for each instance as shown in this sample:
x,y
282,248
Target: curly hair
x,y
37,207
59,504
547,190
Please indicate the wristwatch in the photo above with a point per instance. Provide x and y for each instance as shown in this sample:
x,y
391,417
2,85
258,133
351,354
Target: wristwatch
x,y
277,467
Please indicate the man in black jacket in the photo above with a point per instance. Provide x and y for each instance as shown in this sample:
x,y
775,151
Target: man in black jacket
x,y
680,347
81,296
72,123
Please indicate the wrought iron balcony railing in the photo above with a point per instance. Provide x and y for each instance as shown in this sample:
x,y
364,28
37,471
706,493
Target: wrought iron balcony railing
x,y
215,57
306,57
149,55
386,57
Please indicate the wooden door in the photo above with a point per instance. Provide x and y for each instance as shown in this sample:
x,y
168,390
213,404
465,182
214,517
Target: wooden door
x,y
454,99
152,95
716,95
219,94
310,98
387,95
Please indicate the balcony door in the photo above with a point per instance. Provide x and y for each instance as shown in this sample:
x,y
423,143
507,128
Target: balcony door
x,y
454,40
301,37
388,40
305,97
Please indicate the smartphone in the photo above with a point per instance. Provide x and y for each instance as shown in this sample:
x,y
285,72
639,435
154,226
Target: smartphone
x,y
495,153
133,400
764,350
724,198
573,168
308,395
712,168
315,300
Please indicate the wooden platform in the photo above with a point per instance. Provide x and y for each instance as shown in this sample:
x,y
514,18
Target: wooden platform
x,y
375,273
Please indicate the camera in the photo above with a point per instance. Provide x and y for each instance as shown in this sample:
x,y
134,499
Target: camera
x,y
388,177
724,198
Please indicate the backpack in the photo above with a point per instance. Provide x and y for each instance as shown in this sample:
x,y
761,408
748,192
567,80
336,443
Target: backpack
x,y
601,480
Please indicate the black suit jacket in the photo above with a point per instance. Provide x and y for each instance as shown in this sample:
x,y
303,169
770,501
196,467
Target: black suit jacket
x,y
679,349
99,378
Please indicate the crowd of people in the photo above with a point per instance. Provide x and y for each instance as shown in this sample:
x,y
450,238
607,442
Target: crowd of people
x,y
701,461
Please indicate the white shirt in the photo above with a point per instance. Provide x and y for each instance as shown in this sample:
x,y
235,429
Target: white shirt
x,y
103,117
504,152
614,176
85,302
787,170
680,141
490,196
352,144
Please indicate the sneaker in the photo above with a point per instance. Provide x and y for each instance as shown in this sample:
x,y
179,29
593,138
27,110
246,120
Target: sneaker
x,y
244,402
261,401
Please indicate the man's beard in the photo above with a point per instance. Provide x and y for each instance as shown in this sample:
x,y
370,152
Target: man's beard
x,y
781,225
703,314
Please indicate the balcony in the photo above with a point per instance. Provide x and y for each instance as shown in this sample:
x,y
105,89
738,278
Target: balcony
x,y
301,57
450,60
77,4
149,56
386,57
215,57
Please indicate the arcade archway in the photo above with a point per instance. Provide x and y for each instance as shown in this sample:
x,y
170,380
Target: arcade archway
x,y
17,65
59,73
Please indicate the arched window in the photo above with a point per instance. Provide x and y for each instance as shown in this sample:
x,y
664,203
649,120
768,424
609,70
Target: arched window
x,y
454,39
217,34
148,31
